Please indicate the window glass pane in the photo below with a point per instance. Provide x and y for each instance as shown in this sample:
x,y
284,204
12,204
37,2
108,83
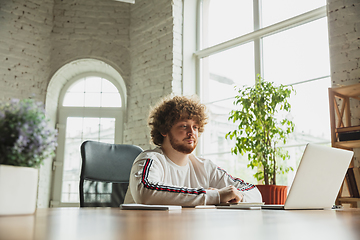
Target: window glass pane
x,y
92,92
79,129
107,140
222,71
295,152
74,99
107,128
92,84
293,56
108,87
91,128
110,100
71,170
310,112
72,160
274,11
213,138
92,99
298,54
74,127
77,87
223,21
235,165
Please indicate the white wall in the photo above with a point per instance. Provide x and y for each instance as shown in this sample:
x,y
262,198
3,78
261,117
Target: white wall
x,y
25,28
156,62
344,43
142,41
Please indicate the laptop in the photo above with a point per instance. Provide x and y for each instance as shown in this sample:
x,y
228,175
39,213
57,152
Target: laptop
x,y
318,179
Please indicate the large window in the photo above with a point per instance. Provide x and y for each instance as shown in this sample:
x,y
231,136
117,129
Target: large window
x,y
90,109
286,43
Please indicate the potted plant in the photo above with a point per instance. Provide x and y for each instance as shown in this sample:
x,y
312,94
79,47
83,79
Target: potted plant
x,y
260,128
26,140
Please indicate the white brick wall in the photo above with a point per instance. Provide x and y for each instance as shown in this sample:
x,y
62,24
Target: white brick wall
x,y
156,62
25,28
91,29
142,42
344,41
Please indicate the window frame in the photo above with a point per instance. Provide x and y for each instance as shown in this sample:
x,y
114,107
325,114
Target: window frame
x,y
261,32
257,37
63,112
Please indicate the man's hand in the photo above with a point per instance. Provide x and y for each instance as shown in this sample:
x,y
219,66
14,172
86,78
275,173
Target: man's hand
x,y
230,194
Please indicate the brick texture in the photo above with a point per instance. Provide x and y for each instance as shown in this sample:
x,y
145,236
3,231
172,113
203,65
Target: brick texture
x,y
25,28
142,41
91,29
156,62
344,43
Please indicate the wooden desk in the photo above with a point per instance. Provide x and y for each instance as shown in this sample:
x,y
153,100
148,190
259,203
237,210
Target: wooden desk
x,y
186,224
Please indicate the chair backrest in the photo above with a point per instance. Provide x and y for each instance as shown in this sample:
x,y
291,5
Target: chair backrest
x,y
105,173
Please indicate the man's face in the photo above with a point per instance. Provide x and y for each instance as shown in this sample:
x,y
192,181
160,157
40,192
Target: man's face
x,y
183,136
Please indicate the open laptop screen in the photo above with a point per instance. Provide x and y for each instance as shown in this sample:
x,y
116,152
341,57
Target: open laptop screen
x,y
318,178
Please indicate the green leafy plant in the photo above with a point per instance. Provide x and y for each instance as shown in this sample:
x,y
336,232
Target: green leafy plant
x,y
258,128
25,136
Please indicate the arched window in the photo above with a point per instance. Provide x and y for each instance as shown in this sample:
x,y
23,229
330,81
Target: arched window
x,y
92,91
90,108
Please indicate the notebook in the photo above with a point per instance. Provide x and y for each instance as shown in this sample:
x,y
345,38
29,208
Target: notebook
x,y
318,179
135,206
240,205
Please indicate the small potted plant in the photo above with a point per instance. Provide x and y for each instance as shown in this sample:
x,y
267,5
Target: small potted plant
x,y
259,129
26,140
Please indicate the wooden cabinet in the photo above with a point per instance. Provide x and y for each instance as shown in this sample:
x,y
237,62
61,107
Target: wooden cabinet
x,y
343,134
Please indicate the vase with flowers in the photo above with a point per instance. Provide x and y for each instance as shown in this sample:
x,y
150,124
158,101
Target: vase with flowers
x,y
26,140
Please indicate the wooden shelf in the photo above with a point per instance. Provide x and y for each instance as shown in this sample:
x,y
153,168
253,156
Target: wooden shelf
x,y
349,200
352,91
347,144
343,134
347,129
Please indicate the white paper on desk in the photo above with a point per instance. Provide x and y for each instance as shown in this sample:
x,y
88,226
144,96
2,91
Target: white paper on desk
x,y
205,207
241,205
136,206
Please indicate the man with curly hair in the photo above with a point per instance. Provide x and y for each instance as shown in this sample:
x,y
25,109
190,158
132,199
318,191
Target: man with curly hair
x,y
171,174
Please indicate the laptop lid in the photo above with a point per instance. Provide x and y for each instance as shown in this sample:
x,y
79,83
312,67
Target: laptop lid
x,y
318,178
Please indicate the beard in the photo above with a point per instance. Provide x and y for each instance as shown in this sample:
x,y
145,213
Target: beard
x,y
182,147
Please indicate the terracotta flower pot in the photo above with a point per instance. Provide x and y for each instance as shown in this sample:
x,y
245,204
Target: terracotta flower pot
x,y
273,194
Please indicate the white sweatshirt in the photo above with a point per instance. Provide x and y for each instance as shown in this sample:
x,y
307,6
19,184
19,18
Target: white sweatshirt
x,y
155,179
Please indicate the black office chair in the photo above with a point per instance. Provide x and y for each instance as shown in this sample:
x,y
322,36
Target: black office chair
x,y
105,173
